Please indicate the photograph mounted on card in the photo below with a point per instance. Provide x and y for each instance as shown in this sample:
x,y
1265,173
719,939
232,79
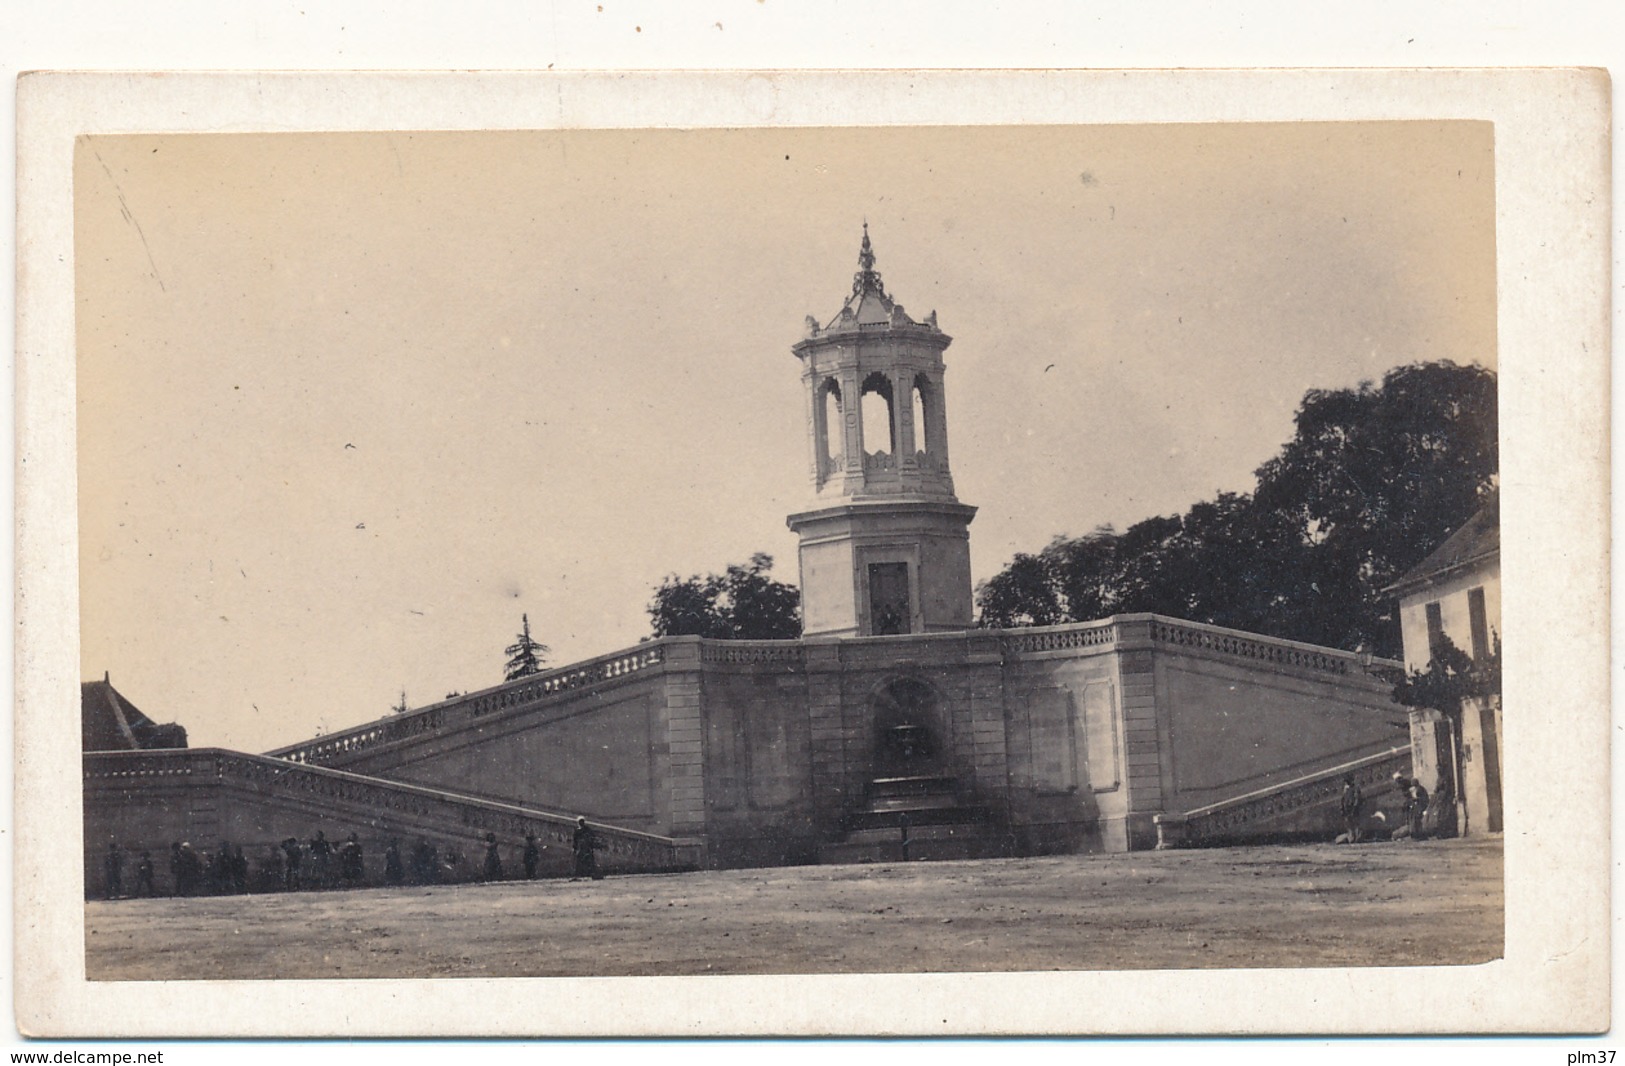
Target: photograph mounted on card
x,y
662,539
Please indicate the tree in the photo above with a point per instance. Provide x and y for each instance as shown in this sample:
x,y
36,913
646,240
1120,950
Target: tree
x,y
742,603
1373,480
525,657
1025,593
1377,477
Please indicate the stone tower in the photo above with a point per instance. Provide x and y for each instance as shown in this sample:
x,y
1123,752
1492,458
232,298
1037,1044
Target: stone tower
x,y
886,548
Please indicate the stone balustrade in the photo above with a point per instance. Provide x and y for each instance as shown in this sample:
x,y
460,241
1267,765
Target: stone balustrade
x,y
786,652
1255,648
1060,638
429,809
527,692
1256,814
878,462
1214,641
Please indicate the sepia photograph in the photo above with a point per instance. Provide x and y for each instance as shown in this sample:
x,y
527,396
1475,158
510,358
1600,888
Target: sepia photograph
x,y
791,549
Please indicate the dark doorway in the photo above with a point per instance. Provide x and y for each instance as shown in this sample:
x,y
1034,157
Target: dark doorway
x,y
888,599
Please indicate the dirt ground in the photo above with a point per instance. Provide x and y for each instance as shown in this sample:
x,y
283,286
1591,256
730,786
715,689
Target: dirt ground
x,y
1433,902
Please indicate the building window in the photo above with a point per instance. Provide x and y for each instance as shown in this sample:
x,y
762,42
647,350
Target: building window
x,y
1436,637
1480,623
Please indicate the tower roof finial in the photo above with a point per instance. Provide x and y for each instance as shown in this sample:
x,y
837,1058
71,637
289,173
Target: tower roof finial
x,y
867,279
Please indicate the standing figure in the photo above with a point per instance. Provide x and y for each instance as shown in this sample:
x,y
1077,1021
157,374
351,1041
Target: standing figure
x,y
113,866
493,858
583,844
1416,805
425,863
175,868
351,866
269,878
291,856
320,852
394,872
223,878
1350,807
239,869
143,876
533,856
191,870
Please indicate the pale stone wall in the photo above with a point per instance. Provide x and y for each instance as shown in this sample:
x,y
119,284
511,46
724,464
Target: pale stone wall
x,y
150,800
945,582
1072,738
1450,593
829,590
628,752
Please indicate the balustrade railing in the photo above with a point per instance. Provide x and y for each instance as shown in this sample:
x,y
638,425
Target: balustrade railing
x,y
879,461
1232,820
788,652
533,690
432,809
1257,649
1058,638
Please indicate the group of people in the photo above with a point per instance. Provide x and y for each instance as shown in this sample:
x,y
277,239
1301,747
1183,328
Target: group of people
x,y
584,848
286,863
293,865
1351,805
191,872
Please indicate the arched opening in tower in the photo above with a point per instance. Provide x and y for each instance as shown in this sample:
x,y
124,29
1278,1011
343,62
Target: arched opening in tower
x,y
879,420
922,434
831,427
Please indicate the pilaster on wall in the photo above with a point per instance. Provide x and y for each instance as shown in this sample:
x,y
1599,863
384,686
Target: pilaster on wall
x,y
1147,744
685,738
828,729
988,744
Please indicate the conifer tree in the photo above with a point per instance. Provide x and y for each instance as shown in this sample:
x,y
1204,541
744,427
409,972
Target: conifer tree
x,y
527,656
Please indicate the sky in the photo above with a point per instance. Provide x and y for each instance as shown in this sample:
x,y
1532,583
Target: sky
x,y
349,404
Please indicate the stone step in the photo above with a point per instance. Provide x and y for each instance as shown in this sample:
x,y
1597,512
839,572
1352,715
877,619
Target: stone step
x,y
916,833
914,803
976,845
911,786
918,817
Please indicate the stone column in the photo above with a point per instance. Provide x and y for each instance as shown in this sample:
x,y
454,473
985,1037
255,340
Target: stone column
x,y
936,414
816,429
851,405
902,390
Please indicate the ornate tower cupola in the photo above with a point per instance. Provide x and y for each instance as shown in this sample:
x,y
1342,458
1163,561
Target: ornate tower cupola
x,y
887,547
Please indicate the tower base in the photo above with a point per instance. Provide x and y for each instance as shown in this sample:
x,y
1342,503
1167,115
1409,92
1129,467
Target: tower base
x,y
888,566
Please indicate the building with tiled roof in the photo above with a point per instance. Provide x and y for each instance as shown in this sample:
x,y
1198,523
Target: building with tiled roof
x,y
110,722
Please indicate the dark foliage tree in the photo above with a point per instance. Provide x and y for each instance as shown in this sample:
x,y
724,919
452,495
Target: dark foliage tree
x,y
1025,593
1373,480
526,656
742,603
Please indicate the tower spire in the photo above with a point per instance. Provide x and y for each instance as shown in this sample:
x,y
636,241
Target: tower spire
x,y
867,279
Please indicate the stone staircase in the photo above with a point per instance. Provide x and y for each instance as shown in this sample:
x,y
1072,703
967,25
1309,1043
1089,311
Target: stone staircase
x,y
147,799
1302,809
913,818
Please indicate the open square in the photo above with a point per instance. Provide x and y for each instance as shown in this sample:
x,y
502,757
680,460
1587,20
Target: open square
x,y
1431,903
